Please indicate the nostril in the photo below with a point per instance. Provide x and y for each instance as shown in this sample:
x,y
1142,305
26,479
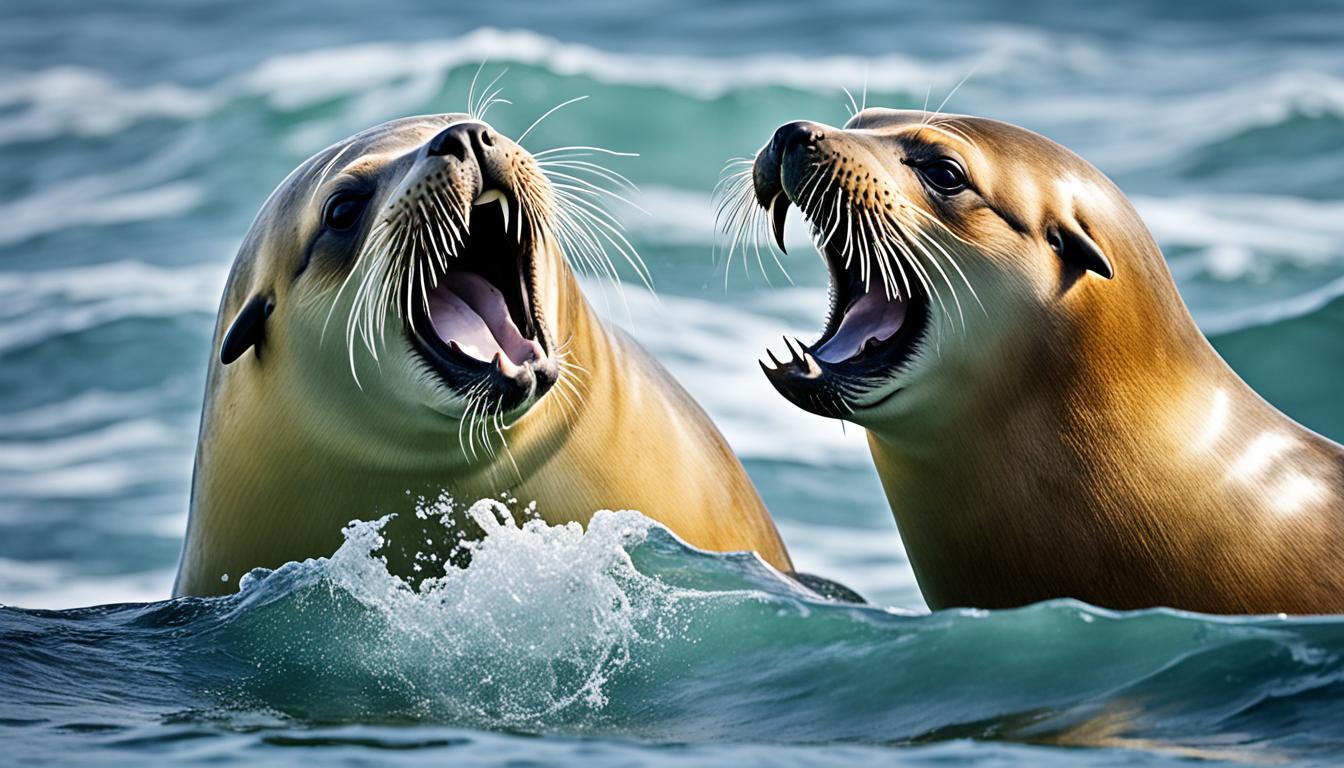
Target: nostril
x,y
461,140
799,132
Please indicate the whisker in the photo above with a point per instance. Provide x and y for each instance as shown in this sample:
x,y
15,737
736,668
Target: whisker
x,y
546,114
471,89
951,93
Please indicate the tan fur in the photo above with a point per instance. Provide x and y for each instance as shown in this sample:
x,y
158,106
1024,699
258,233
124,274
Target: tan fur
x,y
1079,437
291,448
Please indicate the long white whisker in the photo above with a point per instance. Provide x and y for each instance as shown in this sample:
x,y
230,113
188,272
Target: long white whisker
x,y
546,114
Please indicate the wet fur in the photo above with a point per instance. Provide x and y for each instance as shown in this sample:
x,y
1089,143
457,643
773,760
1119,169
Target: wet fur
x,y
291,447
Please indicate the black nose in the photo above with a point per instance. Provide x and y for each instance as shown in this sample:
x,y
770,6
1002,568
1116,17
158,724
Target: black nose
x,y
462,139
801,132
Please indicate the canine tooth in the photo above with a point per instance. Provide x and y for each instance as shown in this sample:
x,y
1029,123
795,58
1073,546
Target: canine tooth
x,y
488,196
778,214
494,195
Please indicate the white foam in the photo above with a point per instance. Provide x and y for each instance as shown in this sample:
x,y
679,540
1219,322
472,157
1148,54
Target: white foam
x,y
536,622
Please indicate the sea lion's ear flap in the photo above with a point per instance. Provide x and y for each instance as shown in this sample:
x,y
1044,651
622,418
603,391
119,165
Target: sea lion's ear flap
x,y
248,329
1072,244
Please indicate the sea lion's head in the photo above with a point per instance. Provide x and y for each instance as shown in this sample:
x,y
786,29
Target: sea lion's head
x,y
947,239
416,265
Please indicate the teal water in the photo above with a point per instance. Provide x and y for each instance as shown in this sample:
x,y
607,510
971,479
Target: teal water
x,y
136,143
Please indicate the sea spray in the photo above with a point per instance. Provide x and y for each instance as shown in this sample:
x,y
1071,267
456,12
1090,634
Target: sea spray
x,y
622,631
532,627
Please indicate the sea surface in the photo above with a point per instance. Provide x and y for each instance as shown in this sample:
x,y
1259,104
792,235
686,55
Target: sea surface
x,y
138,139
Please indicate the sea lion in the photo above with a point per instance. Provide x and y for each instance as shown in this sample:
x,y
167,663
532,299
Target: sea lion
x,y
401,322
1046,418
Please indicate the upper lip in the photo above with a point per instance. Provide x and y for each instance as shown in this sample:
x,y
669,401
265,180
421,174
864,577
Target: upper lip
x,y
770,191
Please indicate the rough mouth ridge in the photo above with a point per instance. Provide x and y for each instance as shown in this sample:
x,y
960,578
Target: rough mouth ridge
x,y
873,328
479,316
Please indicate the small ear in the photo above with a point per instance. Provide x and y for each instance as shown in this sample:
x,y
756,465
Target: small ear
x,y
248,329
1075,247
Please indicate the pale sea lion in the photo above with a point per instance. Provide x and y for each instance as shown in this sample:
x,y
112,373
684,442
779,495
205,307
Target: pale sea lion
x,y
401,321
1046,418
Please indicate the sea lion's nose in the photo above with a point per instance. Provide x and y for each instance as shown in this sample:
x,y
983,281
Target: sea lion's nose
x,y
804,132
467,138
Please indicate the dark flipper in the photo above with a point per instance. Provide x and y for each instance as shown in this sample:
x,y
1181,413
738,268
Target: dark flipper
x,y
831,590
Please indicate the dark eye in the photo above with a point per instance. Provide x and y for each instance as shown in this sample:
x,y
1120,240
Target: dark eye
x,y
343,210
944,175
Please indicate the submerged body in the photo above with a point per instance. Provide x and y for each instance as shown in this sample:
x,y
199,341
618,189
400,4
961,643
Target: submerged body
x,y
1045,416
365,368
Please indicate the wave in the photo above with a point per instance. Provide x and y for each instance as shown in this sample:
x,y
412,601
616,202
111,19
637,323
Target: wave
x,y
52,585
67,206
82,102
38,305
389,79
1247,235
623,630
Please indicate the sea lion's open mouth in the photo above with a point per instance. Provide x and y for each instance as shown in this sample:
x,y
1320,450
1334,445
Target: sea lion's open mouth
x,y
879,313
873,327
478,326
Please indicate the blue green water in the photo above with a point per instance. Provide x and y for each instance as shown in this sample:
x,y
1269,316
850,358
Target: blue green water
x,y
138,140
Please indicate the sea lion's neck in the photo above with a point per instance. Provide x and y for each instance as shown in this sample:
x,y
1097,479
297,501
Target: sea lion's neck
x,y
1085,434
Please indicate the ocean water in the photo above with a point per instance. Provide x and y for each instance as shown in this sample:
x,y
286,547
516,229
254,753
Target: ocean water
x,y
137,141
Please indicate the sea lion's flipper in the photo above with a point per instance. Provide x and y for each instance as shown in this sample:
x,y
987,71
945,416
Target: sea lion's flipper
x,y
831,590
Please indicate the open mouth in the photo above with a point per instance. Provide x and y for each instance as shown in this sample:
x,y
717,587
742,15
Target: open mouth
x,y
877,319
478,326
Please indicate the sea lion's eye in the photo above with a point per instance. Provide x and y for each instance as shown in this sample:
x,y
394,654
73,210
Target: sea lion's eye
x,y
343,209
944,175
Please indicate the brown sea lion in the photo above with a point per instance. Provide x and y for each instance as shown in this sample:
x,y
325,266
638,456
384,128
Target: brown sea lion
x,y
1046,417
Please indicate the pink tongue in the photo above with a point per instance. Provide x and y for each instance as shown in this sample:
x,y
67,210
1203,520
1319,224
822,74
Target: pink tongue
x,y
467,309
875,316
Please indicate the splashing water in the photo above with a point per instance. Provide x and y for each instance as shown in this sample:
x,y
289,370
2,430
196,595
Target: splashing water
x,y
528,633
623,631
133,172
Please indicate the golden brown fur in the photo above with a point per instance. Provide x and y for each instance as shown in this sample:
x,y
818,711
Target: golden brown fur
x,y
291,447
1078,436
